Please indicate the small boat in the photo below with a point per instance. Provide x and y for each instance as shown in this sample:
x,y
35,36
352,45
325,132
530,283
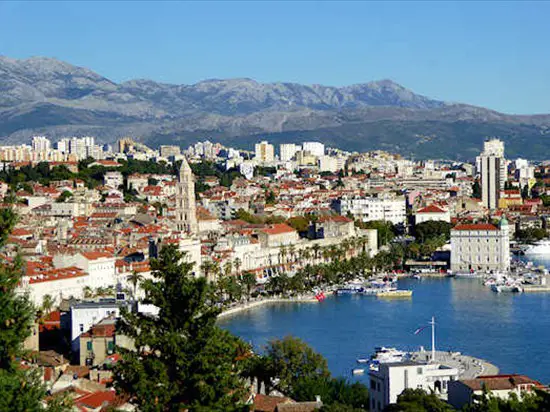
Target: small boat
x,y
416,276
512,288
358,371
539,248
395,294
468,275
362,360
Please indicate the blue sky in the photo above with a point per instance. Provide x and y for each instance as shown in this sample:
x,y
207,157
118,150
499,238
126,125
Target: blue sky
x,y
493,54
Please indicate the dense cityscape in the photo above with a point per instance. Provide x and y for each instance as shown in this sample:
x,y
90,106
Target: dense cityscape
x,y
126,251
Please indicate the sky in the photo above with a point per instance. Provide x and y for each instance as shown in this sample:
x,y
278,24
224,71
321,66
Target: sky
x,y
491,54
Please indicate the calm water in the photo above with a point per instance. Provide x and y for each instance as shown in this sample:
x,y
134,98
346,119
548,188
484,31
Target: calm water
x,y
510,330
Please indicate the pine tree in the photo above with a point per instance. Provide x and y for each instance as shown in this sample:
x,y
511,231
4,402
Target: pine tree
x,y
20,389
181,359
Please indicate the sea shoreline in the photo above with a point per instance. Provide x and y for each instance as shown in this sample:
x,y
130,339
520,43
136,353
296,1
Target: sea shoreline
x,y
258,303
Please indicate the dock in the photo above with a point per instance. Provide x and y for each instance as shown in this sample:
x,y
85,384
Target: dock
x,y
536,288
468,366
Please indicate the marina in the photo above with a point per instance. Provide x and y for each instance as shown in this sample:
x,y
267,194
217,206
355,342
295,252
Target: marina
x,y
347,328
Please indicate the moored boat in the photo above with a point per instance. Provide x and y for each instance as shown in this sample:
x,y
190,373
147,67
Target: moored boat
x,y
395,294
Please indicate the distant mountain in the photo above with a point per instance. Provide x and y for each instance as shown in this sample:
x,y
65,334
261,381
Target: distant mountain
x,y
47,96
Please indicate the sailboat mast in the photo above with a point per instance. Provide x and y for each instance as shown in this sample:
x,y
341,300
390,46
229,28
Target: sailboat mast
x,y
433,338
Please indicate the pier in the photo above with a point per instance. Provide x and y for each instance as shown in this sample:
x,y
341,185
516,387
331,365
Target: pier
x,y
468,366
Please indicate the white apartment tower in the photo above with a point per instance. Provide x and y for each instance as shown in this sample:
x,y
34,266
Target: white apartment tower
x,y
315,148
288,151
492,168
41,144
186,215
264,152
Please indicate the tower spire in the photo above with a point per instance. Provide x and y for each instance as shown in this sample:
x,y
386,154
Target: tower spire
x,y
186,215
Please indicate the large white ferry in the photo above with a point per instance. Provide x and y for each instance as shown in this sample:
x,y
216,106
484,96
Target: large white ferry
x,y
539,248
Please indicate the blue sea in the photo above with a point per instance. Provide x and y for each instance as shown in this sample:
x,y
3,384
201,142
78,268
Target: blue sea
x,y
511,331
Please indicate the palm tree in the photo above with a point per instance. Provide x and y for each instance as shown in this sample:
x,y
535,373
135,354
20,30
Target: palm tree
x,y
88,292
134,278
291,252
47,304
316,248
282,254
237,264
227,268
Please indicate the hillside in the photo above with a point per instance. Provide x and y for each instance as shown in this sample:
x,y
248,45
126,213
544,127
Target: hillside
x,y
46,96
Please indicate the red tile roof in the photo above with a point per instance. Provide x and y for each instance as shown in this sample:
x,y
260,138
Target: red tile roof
x,y
431,209
96,255
475,226
278,229
96,399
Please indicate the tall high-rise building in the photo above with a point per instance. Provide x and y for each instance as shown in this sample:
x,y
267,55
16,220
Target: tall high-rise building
x,y
264,152
41,144
315,148
492,169
186,215
288,151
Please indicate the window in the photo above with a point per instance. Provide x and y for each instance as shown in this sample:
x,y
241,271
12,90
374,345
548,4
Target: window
x,y
81,326
419,371
372,384
111,346
89,345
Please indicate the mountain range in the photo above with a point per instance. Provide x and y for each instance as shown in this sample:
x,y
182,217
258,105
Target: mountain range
x,y
46,96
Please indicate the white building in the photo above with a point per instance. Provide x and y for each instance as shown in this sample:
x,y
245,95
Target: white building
x,y
464,392
432,212
480,247
100,267
331,164
391,379
366,209
287,151
57,283
315,148
41,144
113,179
86,314
264,152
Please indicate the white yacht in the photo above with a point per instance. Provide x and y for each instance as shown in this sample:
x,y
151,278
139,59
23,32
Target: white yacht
x,y
386,355
539,248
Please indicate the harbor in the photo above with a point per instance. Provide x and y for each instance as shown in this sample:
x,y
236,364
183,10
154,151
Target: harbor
x,y
345,328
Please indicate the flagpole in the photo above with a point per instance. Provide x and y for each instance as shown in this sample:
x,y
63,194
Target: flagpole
x,y
433,338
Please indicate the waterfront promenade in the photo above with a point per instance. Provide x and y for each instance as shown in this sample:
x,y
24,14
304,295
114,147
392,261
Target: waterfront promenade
x,y
240,307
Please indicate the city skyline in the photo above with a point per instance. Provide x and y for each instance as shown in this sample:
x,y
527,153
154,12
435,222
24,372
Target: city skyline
x,y
486,54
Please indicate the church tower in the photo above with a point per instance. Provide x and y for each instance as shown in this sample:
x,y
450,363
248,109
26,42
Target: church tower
x,y
186,215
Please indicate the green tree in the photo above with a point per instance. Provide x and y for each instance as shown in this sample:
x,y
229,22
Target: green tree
x,y
181,359
248,282
417,400
432,229
476,190
135,279
300,223
64,196
292,360
385,230
270,198
20,390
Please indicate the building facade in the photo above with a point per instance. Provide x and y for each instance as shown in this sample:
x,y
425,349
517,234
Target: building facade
x,y
265,153
390,379
288,151
480,247
366,209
